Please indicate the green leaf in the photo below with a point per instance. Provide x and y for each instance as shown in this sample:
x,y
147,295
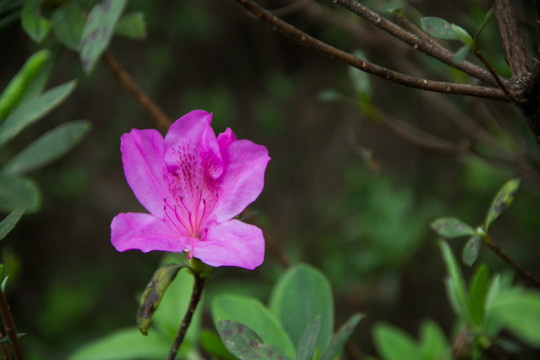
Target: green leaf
x,y
359,78
456,284
49,147
462,35
393,344
338,342
36,26
152,295
132,26
212,344
461,54
433,343
478,294
9,223
98,30
471,250
308,342
33,109
16,88
451,228
18,193
328,95
520,313
243,342
302,294
256,316
68,23
438,28
125,344
501,201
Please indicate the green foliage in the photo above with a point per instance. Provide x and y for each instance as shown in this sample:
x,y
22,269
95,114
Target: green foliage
x,y
98,31
308,342
455,283
501,201
129,343
16,88
302,295
48,148
36,26
18,193
394,344
243,342
132,26
9,223
478,294
442,29
471,250
340,338
212,344
152,295
451,228
68,23
251,313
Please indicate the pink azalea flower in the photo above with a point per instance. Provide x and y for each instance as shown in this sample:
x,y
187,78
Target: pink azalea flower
x,y
193,185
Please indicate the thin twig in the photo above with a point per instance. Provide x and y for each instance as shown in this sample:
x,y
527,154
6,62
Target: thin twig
x,y
497,78
347,58
5,349
527,275
437,52
127,81
198,287
9,326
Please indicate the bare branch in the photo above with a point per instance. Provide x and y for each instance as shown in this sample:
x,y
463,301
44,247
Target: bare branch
x,y
157,113
437,52
511,37
347,58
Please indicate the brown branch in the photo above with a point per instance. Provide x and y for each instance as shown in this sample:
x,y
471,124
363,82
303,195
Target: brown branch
x,y
347,58
9,326
127,81
514,46
198,287
524,273
437,52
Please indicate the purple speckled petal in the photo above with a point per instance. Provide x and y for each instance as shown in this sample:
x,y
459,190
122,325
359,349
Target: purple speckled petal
x,y
142,156
144,232
232,243
243,180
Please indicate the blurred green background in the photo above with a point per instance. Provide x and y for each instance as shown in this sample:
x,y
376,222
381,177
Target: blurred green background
x,y
342,192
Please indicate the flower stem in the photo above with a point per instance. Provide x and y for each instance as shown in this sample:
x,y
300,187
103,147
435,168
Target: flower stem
x,y
9,326
527,275
198,287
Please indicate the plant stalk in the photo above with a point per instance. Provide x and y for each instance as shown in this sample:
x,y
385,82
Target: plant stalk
x,y
198,287
9,326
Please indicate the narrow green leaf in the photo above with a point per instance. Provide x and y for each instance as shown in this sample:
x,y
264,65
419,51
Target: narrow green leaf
x,y
520,313
33,109
471,250
308,342
462,35
243,342
302,294
456,282
9,223
125,344
212,344
451,228
49,147
152,295
36,26
18,193
340,339
132,26
98,30
68,23
393,344
16,88
501,201
461,54
478,294
433,342
438,28
256,316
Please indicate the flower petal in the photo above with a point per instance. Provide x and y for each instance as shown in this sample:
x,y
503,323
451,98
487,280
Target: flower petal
x,y
142,156
144,232
232,243
243,181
